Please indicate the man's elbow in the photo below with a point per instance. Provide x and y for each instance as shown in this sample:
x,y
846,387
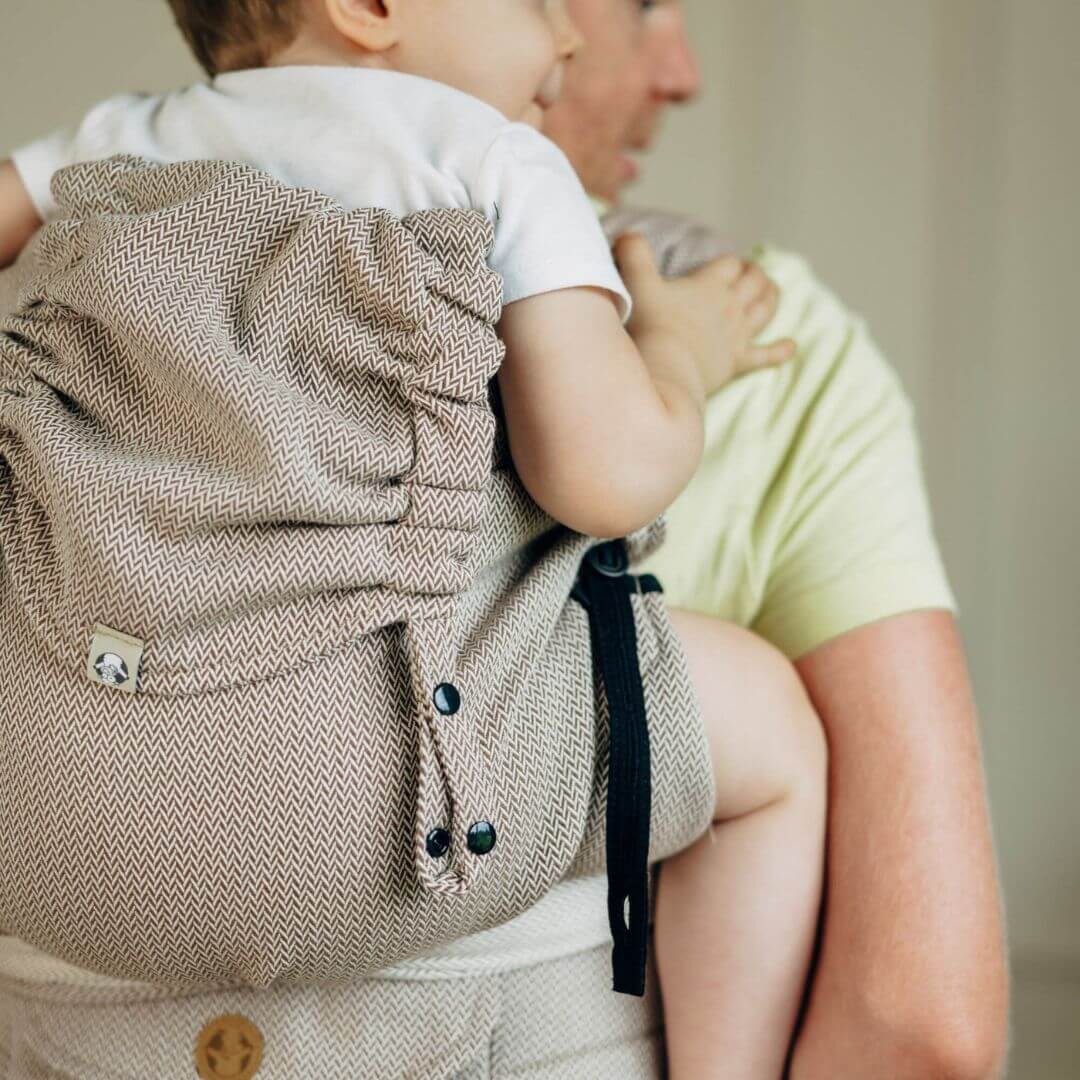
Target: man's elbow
x,y
961,1044
978,1054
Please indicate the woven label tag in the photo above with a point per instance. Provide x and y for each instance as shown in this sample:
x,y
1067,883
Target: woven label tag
x,y
114,659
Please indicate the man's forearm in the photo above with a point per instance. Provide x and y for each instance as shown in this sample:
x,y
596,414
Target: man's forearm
x,y
912,977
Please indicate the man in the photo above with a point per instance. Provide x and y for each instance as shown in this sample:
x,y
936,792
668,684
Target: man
x,y
782,530
911,980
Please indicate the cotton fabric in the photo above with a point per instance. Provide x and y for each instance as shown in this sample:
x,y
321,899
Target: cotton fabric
x,y
366,138
553,1020
743,543
260,433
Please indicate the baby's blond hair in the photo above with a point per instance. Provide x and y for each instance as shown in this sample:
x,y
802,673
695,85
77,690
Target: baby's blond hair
x,y
228,35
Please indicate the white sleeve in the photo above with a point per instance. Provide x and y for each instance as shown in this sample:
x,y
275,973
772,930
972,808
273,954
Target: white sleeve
x,y
86,141
547,233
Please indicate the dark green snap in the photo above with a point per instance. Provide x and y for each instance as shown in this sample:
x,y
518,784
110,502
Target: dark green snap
x,y
447,699
438,840
480,837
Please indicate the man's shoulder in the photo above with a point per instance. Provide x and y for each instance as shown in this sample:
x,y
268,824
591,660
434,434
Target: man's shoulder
x,y
808,515
836,348
834,340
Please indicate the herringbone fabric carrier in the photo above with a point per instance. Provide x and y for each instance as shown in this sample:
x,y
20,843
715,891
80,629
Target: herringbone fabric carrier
x,y
254,439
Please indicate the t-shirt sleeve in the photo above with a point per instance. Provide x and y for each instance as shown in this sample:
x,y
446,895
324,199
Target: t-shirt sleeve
x,y
547,233
83,141
847,530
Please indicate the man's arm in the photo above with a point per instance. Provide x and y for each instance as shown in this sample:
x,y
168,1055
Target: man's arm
x,y
912,978
18,217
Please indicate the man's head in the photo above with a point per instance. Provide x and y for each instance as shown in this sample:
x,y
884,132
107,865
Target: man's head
x,y
636,61
508,53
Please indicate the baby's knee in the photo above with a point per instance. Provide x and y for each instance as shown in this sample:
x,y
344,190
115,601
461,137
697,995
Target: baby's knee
x,y
801,747
764,715
810,766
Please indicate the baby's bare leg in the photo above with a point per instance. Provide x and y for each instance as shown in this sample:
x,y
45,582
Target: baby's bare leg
x,y
735,913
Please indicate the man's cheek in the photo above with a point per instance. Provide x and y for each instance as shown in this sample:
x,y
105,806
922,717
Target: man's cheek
x,y
597,19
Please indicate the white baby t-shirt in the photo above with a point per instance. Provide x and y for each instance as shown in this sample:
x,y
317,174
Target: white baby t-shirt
x,y
365,137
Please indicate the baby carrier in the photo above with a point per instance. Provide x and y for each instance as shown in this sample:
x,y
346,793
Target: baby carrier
x,y
299,680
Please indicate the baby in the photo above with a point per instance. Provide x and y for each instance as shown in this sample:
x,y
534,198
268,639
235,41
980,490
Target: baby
x,y
412,104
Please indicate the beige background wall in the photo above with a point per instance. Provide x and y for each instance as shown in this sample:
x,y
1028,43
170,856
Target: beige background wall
x,y
924,155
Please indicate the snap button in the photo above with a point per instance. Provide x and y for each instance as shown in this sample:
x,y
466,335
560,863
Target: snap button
x,y
480,837
447,698
609,559
229,1047
438,840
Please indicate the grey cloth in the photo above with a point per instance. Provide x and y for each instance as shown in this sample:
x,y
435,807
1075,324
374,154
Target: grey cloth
x,y
680,244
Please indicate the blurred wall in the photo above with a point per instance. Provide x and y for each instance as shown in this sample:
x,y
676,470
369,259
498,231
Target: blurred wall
x,y
924,155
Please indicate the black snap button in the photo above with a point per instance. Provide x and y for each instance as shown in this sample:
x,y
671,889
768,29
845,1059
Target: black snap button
x,y
438,840
609,559
447,698
480,837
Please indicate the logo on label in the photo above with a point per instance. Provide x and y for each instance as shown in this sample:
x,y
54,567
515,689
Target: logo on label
x,y
111,669
114,659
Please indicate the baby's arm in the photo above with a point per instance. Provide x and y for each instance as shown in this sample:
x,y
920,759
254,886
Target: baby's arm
x,y
606,424
18,217
600,442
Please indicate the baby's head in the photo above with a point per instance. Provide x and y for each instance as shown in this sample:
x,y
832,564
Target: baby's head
x,y
509,53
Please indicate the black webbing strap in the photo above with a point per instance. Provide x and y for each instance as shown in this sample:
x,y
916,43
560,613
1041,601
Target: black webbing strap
x,y
604,588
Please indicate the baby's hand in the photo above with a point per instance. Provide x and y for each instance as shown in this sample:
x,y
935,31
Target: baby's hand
x,y
717,310
749,299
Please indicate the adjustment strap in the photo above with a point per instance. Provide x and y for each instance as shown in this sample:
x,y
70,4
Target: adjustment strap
x,y
614,643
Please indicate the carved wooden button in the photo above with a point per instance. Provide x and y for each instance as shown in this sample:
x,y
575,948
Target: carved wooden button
x,y
230,1047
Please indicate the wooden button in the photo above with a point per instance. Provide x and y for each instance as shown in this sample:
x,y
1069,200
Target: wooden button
x,y
229,1048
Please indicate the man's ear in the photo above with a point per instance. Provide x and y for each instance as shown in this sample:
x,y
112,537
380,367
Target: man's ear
x,y
374,25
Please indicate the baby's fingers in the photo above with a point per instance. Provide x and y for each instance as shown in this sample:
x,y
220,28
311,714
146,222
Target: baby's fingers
x,y
772,355
724,270
635,260
764,299
752,286
760,315
630,245
728,268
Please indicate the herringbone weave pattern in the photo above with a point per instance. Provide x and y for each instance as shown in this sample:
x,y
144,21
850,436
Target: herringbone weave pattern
x,y
260,434
550,1021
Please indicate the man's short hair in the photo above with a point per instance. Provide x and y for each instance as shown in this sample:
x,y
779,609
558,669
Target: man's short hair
x,y
228,35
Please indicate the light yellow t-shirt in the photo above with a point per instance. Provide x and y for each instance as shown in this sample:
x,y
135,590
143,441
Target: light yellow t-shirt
x,y
809,514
